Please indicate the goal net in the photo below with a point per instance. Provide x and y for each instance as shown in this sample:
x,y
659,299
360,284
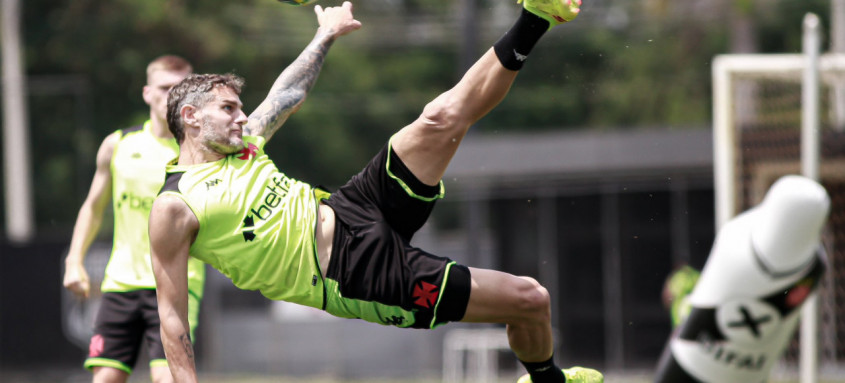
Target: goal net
x,y
757,139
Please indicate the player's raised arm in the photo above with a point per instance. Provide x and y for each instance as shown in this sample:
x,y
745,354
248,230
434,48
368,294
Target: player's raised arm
x,y
172,230
294,83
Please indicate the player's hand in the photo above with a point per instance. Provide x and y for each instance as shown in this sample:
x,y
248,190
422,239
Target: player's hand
x,y
337,21
76,280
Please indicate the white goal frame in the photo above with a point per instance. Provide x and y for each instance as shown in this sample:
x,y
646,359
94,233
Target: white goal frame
x,y
809,69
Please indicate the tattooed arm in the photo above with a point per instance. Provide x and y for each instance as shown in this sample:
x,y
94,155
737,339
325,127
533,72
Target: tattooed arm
x,y
289,91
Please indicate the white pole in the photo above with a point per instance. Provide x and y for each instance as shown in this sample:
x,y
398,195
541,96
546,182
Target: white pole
x,y
809,363
20,227
723,143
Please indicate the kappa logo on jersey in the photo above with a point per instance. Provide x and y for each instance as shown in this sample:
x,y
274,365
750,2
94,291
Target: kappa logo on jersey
x,y
394,321
426,294
248,152
214,182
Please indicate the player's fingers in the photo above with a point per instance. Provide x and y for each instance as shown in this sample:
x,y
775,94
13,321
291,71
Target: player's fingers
x,y
318,10
86,289
78,284
75,288
347,4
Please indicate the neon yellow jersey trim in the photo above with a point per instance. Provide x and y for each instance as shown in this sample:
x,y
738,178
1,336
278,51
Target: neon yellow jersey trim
x,y
405,186
446,274
90,363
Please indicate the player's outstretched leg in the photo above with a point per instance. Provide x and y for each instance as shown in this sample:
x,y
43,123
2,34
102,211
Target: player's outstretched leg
x,y
427,145
525,307
529,329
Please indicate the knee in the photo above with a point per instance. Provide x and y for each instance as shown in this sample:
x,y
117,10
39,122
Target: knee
x,y
535,300
442,115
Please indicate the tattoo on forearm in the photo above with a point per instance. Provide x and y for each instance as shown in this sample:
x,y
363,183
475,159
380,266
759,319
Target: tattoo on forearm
x,y
292,86
187,346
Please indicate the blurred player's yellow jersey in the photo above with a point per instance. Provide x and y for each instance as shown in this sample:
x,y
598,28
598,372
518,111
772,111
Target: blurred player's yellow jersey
x,y
256,225
137,168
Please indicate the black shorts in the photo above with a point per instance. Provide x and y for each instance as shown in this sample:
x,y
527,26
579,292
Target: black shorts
x,y
374,273
123,321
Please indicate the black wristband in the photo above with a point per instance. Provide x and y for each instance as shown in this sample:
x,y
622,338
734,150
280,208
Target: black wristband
x,y
513,48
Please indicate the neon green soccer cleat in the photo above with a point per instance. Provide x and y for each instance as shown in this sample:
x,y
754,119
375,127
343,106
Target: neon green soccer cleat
x,y
555,11
574,375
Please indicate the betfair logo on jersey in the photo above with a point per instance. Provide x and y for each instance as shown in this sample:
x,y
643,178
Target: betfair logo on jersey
x,y
272,198
249,225
135,202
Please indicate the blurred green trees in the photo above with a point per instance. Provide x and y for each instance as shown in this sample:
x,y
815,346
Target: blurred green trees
x,y
621,65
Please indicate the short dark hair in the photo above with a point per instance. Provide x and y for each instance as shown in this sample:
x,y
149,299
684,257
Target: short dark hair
x,y
170,63
196,90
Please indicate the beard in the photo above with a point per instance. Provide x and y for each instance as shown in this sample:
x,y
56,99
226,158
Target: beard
x,y
223,143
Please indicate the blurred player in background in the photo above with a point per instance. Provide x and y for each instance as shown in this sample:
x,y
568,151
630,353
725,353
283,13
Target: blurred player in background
x,y
348,253
129,173
676,290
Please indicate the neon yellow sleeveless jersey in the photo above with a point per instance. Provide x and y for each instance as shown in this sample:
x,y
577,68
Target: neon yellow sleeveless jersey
x,y
137,168
256,225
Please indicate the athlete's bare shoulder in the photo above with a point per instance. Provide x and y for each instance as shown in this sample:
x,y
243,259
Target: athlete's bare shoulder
x,y
106,150
170,215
